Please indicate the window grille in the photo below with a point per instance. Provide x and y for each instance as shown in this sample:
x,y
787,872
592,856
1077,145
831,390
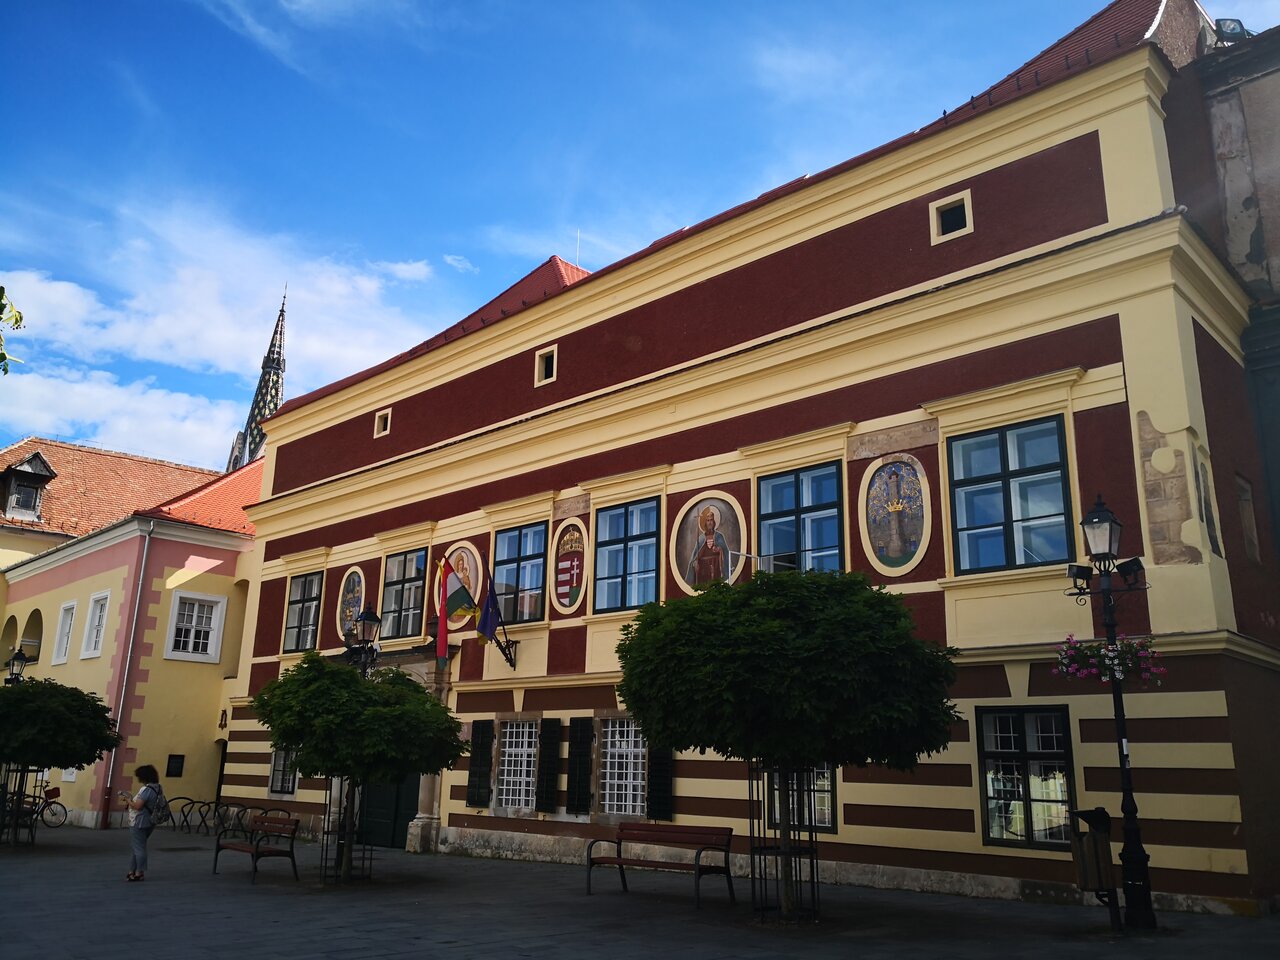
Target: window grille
x,y
622,768
517,764
194,627
1026,776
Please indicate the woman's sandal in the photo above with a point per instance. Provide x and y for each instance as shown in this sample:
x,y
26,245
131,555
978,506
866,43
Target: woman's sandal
x,y
135,876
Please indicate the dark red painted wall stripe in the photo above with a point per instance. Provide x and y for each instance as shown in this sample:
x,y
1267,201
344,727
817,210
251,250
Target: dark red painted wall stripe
x,y
1051,194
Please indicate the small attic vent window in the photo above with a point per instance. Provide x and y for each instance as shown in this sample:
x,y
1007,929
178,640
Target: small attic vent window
x,y
951,217
382,423
544,366
26,498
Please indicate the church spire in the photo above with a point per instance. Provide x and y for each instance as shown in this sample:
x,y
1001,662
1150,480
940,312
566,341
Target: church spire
x,y
267,398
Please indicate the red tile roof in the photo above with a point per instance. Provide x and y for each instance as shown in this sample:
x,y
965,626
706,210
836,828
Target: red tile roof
x,y
218,504
93,487
1119,28
542,283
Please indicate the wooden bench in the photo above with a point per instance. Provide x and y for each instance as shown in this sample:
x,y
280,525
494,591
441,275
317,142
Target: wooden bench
x,y
268,837
713,841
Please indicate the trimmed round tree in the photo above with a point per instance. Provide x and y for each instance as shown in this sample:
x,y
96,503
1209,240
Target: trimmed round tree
x,y
46,724
338,724
791,669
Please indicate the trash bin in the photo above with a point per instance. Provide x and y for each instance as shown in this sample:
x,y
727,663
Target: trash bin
x,y
1091,853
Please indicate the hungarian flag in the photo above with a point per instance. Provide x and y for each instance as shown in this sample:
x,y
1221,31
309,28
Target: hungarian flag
x,y
455,600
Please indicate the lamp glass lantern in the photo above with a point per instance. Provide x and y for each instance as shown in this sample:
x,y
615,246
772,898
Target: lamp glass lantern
x,y
16,664
1101,533
367,625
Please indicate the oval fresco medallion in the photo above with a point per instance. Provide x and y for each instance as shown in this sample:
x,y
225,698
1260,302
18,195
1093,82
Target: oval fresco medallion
x,y
896,514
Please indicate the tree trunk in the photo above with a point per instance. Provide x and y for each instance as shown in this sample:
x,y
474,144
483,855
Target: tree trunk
x,y
348,830
786,868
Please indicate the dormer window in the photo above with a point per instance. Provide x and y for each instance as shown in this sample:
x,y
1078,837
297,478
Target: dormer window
x,y
24,485
24,499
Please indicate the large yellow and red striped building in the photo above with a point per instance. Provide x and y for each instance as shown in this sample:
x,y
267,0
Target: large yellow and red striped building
x,y
923,364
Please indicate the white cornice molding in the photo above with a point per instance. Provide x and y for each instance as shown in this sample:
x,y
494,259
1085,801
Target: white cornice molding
x,y
119,532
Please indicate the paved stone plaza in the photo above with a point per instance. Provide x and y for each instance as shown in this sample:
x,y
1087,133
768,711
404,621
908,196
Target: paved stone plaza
x,y
66,898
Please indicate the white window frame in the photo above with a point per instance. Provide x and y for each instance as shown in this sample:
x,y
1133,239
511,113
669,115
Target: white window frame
x,y
62,639
215,627
540,379
624,768
95,628
516,784
962,199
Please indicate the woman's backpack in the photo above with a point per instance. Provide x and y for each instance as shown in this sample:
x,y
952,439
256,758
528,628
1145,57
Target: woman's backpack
x,y
159,806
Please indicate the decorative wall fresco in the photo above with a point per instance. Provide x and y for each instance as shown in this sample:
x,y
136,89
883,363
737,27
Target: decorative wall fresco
x,y
350,601
707,544
569,566
896,513
465,560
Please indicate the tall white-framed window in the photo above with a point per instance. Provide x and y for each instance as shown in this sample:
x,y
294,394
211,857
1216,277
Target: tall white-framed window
x,y
62,641
622,767
517,765
195,627
95,625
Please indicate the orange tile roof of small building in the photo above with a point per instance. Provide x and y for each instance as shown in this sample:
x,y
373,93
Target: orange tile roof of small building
x,y
219,504
1117,29
94,487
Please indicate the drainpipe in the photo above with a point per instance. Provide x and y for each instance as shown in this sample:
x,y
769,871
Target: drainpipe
x,y
124,679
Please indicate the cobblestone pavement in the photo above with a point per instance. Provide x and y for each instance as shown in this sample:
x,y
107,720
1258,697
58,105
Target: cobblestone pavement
x,y
66,898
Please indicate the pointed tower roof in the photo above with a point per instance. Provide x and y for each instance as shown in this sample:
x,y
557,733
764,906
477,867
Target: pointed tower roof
x,y
266,399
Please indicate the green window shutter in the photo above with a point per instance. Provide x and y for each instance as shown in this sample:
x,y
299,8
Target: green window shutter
x,y
548,765
480,771
582,730
659,798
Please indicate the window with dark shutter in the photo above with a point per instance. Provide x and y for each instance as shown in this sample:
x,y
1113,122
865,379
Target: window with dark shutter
x,y
581,733
659,797
548,765
480,771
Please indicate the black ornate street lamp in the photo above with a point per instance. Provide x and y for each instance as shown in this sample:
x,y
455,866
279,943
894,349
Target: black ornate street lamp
x,y
16,664
1102,540
362,642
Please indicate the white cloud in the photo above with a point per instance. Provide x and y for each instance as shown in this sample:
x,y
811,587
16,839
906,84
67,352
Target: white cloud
x,y
407,270
137,416
460,263
184,287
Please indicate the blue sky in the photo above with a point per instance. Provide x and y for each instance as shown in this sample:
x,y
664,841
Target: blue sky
x,y
169,165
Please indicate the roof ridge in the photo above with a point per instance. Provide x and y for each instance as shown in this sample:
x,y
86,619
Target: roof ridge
x,y
1079,28
105,452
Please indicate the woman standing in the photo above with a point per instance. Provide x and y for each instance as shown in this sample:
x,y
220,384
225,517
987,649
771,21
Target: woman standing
x,y
141,818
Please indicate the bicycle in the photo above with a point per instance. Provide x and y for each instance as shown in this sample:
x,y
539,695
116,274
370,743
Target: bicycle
x,y
49,809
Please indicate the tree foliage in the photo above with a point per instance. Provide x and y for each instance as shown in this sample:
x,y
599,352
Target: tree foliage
x,y
339,724
795,669
45,724
11,317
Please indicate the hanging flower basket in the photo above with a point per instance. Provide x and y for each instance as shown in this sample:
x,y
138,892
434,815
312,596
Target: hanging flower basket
x,y
1133,660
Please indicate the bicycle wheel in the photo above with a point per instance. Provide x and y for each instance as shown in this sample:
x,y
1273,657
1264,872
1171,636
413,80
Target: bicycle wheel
x,y
54,814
